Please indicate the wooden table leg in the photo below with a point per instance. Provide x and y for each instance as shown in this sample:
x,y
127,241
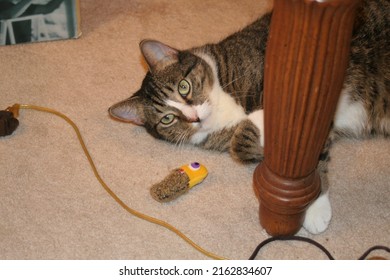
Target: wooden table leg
x,y
306,59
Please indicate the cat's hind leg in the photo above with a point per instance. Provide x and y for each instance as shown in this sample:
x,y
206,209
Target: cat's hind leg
x,y
319,213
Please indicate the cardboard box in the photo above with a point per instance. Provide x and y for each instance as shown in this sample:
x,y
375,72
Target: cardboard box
x,y
25,21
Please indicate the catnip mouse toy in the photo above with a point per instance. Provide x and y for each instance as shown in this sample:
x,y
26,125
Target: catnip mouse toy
x,y
178,182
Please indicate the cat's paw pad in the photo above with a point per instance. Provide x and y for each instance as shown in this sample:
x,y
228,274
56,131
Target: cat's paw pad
x,y
318,215
245,143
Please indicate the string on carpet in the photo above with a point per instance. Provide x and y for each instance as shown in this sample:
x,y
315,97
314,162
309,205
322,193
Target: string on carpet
x,y
9,123
15,110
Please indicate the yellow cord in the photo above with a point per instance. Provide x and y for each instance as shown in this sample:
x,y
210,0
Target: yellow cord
x,y
15,108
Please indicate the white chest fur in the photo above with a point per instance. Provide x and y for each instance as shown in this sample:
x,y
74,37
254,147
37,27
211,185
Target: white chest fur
x,y
221,111
350,116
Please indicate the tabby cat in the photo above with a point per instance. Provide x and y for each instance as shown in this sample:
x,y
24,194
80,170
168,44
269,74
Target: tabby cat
x,y
211,96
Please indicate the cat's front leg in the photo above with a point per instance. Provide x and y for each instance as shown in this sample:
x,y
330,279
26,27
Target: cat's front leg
x,y
245,145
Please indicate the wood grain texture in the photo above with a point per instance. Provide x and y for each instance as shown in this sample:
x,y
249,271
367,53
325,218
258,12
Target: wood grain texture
x,y
306,59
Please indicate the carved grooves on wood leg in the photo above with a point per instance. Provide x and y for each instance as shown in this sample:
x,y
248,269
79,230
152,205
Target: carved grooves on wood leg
x,y
306,58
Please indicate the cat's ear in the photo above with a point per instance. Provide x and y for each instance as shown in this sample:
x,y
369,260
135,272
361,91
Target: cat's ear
x,y
158,55
128,110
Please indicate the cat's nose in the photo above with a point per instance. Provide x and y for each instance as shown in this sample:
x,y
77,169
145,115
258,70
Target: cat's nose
x,y
193,120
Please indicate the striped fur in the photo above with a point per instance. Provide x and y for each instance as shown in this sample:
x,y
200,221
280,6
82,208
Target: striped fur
x,y
211,96
226,81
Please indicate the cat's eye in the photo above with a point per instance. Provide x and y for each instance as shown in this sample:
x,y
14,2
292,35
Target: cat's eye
x,y
184,88
168,119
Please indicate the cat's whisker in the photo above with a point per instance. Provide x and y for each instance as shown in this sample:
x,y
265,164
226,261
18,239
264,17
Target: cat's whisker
x,y
180,139
179,142
184,138
246,74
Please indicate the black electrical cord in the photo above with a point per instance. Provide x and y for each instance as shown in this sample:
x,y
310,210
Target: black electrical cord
x,y
315,243
373,248
289,238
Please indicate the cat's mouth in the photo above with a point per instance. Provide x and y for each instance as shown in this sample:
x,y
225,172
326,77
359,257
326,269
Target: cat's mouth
x,y
201,113
195,121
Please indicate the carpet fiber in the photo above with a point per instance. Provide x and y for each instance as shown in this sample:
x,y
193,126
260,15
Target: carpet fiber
x,y
52,206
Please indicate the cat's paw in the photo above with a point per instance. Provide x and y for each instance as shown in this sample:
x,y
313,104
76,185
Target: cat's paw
x,y
318,215
245,143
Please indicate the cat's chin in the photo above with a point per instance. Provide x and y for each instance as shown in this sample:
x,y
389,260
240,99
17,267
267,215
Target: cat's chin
x,y
197,126
198,137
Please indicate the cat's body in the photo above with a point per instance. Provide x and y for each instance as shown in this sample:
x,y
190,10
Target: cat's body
x,y
211,96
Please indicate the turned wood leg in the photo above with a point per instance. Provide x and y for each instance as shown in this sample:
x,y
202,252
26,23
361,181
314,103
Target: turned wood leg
x,y
306,58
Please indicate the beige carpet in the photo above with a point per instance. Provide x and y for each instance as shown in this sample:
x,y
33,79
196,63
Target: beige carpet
x,y
51,205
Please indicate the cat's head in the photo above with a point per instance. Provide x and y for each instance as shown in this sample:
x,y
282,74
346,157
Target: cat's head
x,y
172,103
